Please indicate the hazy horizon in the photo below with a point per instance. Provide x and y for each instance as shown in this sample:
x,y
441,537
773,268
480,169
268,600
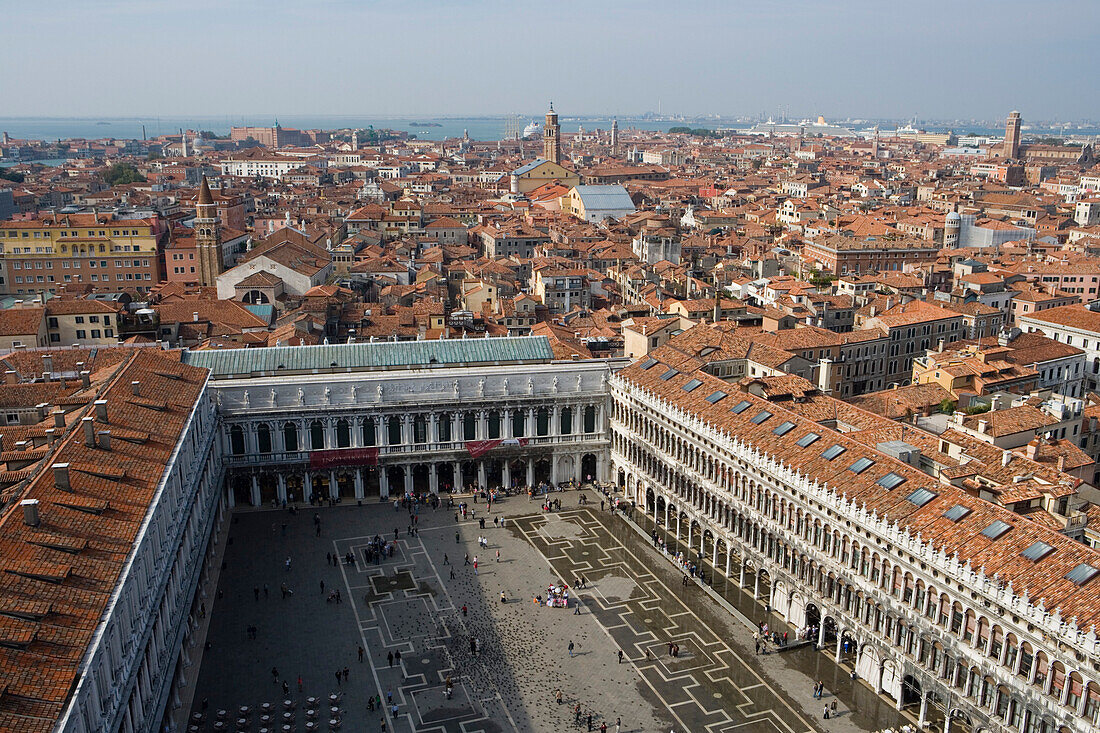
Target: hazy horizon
x,y
928,59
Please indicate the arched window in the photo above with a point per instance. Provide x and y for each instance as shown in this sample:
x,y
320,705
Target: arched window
x,y
290,437
343,433
368,431
469,426
316,435
590,419
236,440
542,422
519,423
445,429
394,429
263,437
420,429
566,421
493,424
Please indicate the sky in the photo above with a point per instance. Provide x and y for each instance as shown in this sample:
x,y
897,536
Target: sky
x,y
924,59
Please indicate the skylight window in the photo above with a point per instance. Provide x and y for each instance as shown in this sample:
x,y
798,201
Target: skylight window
x,y
1082,574
761,417
808,439
714,397
833,451
861,465
920,497
956,512
1037,551
693,384
891,481
672,372
649,363
996,530
741,406
783,428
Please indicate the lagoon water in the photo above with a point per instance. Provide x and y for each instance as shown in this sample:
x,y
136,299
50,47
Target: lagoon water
x,y
480,128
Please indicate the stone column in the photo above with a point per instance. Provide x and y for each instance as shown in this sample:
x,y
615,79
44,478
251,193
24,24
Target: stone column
x,y
456,475
482,425
553,470
839,646
922,719
528,421
307,487
506,429
255,490
406,429
333,487
281,487
555,420
433,478
821,633
689,528
383,481
433,431
728,551
756,585
677,522
359,492
378,430
506,474
408,479
480,473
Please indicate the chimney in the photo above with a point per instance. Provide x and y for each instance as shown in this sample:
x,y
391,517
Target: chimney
x,y
1006,458
983,426
135,387
41,408
105,439
1033,449
195,316
51,436
89,431
10,377
30,512
1061,464
47,363
59,418
86,378
101,410
61,476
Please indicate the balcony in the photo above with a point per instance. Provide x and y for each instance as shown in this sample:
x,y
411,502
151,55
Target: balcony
x,y
415,450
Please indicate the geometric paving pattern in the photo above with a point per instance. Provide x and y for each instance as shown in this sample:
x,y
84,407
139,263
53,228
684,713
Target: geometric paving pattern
x,y
410,605
708,687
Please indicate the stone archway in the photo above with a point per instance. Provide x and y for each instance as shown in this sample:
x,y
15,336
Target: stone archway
x,y
421,478
588,468
542,471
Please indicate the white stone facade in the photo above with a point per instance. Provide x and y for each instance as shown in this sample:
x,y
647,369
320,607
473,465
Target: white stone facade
x,y
914,623
421,422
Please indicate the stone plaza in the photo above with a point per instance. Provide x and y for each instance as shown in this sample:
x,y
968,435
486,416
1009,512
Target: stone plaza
x,y
430,609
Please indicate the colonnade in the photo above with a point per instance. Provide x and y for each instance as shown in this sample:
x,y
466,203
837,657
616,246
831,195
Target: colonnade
x,y
906,634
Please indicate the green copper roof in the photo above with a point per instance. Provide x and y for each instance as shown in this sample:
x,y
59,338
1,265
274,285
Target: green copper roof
x,y
371,356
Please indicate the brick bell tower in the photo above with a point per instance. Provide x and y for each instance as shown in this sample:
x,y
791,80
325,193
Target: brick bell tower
x,y
208,240
551,137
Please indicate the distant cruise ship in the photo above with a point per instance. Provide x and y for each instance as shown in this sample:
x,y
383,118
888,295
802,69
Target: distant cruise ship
x,y
531,129
806,127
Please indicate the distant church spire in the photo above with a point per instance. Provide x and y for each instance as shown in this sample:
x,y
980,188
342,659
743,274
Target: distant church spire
x,y
208,240
551,137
